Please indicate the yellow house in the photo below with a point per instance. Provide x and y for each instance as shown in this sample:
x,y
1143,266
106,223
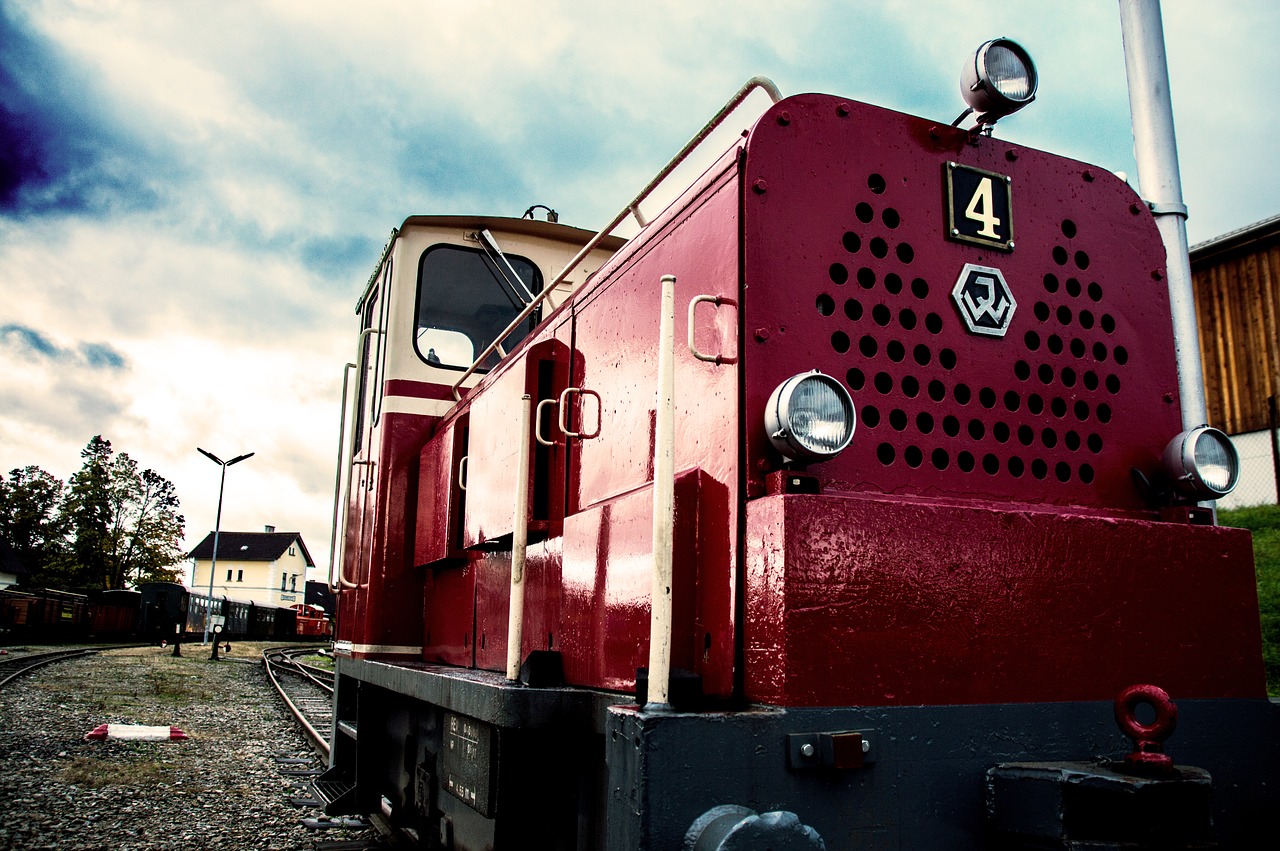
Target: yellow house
x,y
260,567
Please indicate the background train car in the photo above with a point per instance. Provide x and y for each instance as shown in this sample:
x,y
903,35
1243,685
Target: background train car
x,y
236,614
115,615
43,615
312,621
164,608
284,623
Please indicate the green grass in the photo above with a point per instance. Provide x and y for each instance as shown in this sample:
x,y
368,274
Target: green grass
x,y
97,772
1264,522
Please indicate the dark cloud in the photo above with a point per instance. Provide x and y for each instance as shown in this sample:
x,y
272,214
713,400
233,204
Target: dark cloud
x,y
58,152
31,343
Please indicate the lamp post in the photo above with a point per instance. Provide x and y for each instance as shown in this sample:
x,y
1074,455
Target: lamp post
x,y
217,526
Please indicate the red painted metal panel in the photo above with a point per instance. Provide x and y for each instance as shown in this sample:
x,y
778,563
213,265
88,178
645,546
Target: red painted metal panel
x,y
449,616
848,270
607,579
388,606
859,601
492,453
615,345
440,499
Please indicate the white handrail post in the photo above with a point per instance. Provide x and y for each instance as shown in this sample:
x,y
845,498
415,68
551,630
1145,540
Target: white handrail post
x,y
660,606
519,544
343,582
337,481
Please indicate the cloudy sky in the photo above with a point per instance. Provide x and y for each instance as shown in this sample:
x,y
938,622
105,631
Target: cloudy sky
x,y
193,192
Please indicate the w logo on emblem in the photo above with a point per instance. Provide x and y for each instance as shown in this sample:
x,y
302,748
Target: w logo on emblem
x,y
985,302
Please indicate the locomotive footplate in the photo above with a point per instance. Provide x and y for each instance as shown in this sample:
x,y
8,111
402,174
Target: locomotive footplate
x,y
470,758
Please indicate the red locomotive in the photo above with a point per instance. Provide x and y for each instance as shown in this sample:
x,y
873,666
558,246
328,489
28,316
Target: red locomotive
x,y
312,621
889,409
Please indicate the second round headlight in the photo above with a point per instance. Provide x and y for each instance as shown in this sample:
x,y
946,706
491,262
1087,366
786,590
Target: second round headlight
x,y
810,417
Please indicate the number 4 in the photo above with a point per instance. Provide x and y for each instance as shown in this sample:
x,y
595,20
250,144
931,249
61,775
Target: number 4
x,y
982,209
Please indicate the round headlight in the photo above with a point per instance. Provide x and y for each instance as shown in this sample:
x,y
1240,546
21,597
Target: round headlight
x,y
1203,463
810,417
999,79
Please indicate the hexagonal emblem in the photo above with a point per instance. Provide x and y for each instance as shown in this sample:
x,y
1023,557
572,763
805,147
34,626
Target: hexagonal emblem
x,y
985,302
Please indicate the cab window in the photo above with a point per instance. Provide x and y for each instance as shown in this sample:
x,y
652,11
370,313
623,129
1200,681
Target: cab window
x,y
465,301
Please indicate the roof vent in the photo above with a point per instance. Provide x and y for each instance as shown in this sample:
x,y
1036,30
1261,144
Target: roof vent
x,y
270,529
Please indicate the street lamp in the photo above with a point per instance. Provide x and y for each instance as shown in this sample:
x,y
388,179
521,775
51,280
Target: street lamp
x,y
217,526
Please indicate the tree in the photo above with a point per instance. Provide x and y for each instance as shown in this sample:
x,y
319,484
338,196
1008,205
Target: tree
x,y
87,512
31,521
124,524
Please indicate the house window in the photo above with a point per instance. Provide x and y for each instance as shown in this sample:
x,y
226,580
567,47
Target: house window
x,y
228,576
293,582
293,551
239,576
284,582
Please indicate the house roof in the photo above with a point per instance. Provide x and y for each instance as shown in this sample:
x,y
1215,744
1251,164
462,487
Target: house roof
x,y
1244,237
250,546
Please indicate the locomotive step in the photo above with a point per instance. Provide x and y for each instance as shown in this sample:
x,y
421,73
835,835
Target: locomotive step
x,y
336,791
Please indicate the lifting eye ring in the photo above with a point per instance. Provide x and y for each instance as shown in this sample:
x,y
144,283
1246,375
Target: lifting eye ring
x,y
1147,757
1158,730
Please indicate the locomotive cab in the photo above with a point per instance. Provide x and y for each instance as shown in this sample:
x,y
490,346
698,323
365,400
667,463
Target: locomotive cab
x,y
433,316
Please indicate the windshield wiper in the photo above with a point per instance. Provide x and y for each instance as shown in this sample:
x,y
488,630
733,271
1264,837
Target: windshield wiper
x,y
509,276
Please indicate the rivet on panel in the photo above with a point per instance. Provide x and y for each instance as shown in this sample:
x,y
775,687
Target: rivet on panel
x,y
843,110
1135,208
760,187
1168,398
762,334
1157,275
1088,175
784,118
1011,155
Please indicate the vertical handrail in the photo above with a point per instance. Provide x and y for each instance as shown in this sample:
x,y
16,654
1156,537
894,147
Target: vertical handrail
x,y
337,478
361,359
660,605
519,544
631,209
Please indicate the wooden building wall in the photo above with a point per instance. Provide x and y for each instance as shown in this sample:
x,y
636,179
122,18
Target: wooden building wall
x,y
1237,289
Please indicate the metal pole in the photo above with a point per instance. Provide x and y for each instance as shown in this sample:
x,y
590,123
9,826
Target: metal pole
x,y
217,526
213,565
1273,421
1156,151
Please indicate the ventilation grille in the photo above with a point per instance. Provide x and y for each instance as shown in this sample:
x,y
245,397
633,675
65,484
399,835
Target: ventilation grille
x,y
848,269
1047,420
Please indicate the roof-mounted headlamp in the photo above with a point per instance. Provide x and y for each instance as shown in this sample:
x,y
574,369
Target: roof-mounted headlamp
x,y
998,80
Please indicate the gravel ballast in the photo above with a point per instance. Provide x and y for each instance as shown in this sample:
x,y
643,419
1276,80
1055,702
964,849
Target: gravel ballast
x,y
223,788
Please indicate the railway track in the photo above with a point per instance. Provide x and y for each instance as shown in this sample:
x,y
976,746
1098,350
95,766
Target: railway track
x,y
306,690
12,667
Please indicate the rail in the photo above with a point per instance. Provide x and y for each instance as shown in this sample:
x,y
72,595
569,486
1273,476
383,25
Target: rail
x,y
16,666
631,209
308,684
